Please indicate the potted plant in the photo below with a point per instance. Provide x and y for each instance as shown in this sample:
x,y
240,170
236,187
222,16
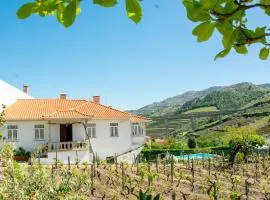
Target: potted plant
x,y
21,155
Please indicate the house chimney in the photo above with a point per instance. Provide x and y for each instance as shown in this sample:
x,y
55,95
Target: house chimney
x,y
26,89
96,99
63,96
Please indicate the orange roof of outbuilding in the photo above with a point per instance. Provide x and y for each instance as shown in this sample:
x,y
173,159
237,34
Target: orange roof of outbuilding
x,y
46,109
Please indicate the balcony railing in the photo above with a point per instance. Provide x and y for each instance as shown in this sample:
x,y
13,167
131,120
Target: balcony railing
x,y
68,146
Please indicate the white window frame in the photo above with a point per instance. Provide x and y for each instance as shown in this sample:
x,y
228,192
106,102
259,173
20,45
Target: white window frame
x,y
137,130
12,132
91,131
39,132
114,131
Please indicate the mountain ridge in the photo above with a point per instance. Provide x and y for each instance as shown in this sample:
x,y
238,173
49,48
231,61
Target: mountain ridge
x,y
175,103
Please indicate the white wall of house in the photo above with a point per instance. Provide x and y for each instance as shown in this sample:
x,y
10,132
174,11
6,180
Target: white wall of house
x,y
26,134
130,157
81,156
104,145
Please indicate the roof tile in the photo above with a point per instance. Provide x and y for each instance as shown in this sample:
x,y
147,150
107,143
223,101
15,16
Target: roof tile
x,y
38,109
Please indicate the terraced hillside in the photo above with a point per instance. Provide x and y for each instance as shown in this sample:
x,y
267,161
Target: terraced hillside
x,y
210,126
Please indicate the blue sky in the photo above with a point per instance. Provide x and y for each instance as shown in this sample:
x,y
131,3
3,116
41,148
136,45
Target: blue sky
x,y
106,54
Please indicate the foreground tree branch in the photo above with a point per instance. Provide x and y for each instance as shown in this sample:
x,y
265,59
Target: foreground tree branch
x,y
228,17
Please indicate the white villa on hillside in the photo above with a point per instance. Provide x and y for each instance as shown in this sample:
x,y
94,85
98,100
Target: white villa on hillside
x,y
9,94
77,129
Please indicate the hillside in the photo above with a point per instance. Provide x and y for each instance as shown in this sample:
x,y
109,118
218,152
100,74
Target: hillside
x,y
266,85
228,98
223,98
238,105
171,104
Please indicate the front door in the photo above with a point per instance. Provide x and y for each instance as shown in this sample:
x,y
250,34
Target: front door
x,y
65,132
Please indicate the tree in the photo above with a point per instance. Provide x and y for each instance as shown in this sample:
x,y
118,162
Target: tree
x,y
243,140
228,17
67,10
191,143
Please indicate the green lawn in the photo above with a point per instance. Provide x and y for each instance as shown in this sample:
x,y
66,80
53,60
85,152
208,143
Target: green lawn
x,y
202,109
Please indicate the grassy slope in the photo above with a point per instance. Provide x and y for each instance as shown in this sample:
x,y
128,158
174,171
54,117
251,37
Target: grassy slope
x,y
202,109
214,131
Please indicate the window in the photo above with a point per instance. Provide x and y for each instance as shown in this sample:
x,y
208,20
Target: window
x,y
91,130
137,130
39,132
12,132
114,129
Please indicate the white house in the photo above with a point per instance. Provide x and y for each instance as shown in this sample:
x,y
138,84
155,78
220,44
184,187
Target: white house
x,y
77,129
9,94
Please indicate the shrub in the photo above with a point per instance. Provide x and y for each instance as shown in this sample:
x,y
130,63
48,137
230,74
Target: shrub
x,y
191,143
240,157
21,152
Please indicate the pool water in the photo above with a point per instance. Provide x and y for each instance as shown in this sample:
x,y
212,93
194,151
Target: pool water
x,y
195,156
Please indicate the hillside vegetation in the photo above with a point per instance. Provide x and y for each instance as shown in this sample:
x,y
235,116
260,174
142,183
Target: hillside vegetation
x,y
207,117
228,98
202,109
172,104
223,98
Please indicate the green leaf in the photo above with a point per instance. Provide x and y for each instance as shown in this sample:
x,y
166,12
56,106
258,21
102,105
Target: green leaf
x,y
241,49
157,197
267,11
134,10
204,31
265,2
264,53
229,38
69,13
141,195
238,16
208,4
260,31
222,54
50,4
105,3
224,27
229,7
149,197
196,11
60,11
25,10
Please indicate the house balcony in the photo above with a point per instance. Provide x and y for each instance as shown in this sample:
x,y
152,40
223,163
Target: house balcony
x,y
82,145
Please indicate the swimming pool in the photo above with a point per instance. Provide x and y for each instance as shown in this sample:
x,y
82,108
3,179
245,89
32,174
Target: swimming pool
x,y
195,156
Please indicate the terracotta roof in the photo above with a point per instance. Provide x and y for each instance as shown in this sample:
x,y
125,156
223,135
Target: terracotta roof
x,y
137,118
38,109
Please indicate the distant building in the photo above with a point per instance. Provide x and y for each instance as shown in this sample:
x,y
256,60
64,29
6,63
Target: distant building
x,y
9,94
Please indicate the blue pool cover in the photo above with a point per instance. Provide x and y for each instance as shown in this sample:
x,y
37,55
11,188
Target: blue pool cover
x,y
195,156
